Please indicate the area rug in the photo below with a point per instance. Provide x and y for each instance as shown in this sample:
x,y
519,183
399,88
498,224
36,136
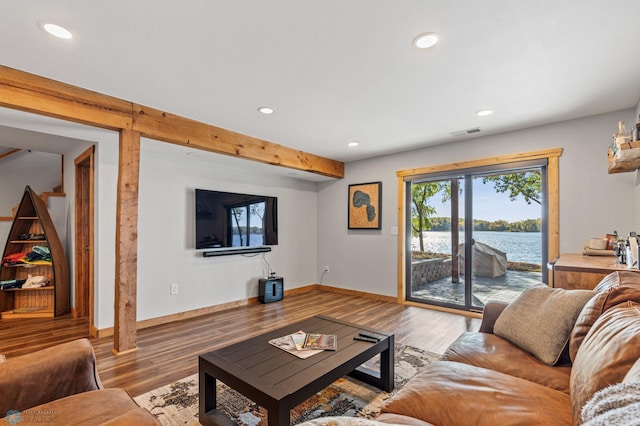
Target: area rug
x,y
177,403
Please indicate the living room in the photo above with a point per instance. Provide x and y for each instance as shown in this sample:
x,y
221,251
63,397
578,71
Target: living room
x,y
168,177
312,210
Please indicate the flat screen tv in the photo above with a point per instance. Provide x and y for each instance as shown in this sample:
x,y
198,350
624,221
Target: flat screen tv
x,y
232,220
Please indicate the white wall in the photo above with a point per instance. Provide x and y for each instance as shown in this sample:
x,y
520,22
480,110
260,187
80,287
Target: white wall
x,y
166,225
42,171
592,202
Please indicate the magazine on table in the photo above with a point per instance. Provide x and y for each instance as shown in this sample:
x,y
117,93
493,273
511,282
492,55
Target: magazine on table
x,y
327,342
288,343
304,345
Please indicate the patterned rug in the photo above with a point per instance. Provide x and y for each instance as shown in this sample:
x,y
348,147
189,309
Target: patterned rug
x,y
177,403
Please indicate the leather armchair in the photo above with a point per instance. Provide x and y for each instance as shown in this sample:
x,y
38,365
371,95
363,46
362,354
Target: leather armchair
x,y
61,384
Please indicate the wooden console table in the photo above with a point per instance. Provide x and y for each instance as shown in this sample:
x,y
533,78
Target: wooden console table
x,y
577,271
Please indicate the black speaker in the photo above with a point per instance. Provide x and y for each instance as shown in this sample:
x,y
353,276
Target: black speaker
x,y
271,289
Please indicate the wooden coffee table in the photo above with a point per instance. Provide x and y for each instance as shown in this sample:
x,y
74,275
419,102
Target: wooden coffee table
x,y
278,380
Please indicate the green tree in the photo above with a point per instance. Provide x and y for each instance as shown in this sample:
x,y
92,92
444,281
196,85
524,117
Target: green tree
x,y
421,210
481,225
238,215
257,210
499,225
526,184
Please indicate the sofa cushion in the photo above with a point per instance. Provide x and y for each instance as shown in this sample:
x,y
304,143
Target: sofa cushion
x,y
451,393
540,320
498,354
615,288
606,355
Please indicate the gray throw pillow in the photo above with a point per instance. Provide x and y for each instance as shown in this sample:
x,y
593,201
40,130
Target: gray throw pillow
x,y
540,320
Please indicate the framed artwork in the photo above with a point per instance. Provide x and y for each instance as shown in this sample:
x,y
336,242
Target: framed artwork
x,y
365,201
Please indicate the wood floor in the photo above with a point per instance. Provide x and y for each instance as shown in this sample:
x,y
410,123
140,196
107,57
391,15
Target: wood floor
x,y
170,352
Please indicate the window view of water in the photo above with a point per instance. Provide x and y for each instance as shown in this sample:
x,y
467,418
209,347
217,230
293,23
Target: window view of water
x,y
254,239
519,246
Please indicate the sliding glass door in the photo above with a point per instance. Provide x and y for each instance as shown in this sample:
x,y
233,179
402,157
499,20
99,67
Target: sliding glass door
x,y
475,235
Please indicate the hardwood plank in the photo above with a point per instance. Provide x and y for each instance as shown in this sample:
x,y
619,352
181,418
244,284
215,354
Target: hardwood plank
x,y
169,352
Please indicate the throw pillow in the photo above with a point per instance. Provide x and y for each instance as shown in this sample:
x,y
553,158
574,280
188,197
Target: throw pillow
x,y
540,320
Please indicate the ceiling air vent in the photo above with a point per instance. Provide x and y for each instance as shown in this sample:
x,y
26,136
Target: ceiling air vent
x,y
465,132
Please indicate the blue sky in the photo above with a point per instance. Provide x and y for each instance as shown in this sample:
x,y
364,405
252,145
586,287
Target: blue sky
x,y
491,205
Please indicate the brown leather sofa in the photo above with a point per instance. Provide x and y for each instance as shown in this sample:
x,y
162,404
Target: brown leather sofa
x,y
485,379
60,385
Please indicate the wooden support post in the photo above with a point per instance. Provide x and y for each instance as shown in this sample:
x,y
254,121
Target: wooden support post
x,y
553,218
126,242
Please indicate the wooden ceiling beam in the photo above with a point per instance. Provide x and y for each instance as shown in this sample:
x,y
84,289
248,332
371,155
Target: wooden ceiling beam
x,y
39,95
178,130
8,153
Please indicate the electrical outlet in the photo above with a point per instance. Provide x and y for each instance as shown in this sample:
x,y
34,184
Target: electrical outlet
x,y
173,289
326,268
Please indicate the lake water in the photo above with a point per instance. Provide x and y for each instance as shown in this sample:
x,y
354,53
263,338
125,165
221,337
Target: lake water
x,y
519,246
254,240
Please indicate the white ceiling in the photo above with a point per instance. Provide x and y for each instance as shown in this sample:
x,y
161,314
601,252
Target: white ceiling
x,y
341,70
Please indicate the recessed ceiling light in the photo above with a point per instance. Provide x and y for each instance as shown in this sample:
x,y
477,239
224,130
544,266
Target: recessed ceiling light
x,y
353,144
55,30
426,40
266,110
484,112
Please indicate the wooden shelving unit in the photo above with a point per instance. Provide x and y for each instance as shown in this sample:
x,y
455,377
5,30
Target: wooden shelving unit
x,y
630,160
32,217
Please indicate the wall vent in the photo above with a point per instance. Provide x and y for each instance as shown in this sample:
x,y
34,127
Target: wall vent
x,y
465,132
